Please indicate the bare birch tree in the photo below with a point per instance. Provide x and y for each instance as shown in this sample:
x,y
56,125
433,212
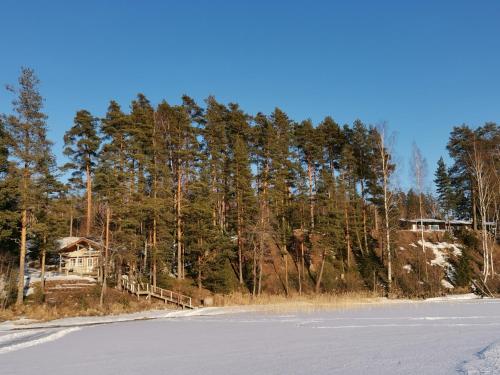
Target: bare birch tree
x,y
483,180
382,143
419,173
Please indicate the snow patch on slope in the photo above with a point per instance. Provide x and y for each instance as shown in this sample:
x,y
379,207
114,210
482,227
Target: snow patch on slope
x,y
446,284
407,268
441,252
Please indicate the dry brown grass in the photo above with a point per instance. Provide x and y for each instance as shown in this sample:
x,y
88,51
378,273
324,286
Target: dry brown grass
x,y
80,302
85,302
279,303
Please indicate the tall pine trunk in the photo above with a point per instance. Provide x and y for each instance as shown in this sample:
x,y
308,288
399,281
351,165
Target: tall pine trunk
x,y
42,272
363,203
285,253
89,201
311,198
387,231
347,231
180,264
106,254
22,257
24,233
239,230
155,256
254,271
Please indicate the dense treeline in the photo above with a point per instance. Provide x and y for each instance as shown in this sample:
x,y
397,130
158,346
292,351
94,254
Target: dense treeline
x,y
210,193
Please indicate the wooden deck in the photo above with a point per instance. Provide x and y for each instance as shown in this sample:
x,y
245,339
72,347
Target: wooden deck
x,y
148,290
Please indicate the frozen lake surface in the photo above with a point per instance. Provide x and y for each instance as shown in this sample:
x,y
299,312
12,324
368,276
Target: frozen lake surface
x,y
438,337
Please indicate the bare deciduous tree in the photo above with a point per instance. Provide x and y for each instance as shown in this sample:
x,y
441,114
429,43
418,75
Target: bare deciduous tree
x,y
419,173
382,148
482,172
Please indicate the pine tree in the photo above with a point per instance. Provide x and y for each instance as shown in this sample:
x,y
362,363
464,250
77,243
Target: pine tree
x,y
208,248
308,143
81,146
4,150
334,141
141,140
111,173
459,147
330,218
283,172
49,214
29,147
215,147
348,194
9,196
140,165
182,148
264,142
240,180
444,188
361,152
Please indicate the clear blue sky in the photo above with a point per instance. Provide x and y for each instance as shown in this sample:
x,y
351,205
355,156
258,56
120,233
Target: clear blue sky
x,y
422,66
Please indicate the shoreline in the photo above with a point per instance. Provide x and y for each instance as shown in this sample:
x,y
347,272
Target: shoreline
x,y
292,305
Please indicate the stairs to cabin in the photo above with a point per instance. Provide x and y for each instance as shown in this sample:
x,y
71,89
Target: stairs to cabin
x,y
150,291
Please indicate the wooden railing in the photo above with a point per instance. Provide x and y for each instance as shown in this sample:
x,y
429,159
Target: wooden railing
x,y
149,290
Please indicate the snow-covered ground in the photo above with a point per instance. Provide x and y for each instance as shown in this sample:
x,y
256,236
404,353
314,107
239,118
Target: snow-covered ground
x,y
34,275
441,336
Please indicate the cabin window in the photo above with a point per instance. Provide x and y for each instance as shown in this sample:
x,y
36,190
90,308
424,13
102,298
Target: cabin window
x,y
72,262
90,262
434,227
80,262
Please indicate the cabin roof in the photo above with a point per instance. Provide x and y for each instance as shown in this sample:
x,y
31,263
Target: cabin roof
x,y
438,221
424,220
66,243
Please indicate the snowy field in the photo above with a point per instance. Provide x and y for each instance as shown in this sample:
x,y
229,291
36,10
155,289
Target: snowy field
x,y
431,337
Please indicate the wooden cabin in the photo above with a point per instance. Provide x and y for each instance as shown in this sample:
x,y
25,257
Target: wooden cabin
x,y
437,225
79,255
429,225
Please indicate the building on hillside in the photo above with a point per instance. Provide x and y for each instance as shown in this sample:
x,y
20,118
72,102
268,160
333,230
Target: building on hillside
x,y
437,225
79,255
431,225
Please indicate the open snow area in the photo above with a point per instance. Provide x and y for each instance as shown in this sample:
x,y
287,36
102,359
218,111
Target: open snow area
x,y
442,252
440,336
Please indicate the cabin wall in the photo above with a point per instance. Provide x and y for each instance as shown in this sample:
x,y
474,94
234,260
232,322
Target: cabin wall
x,y
80,262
